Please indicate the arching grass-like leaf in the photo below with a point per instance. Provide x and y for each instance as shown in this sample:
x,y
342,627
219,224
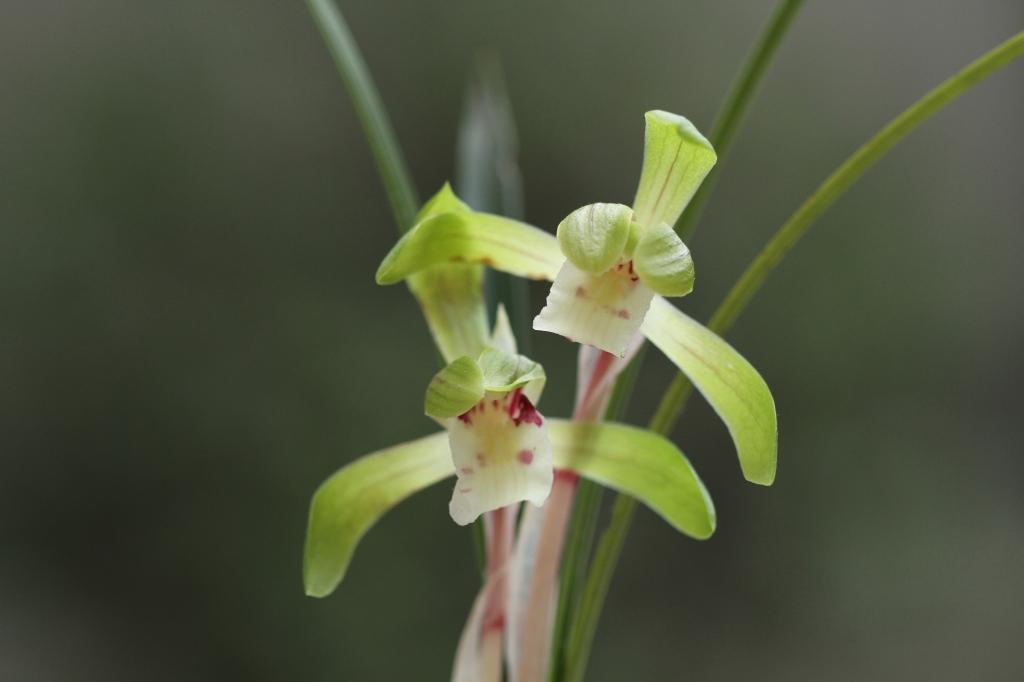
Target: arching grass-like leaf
x,y
727,381
676,159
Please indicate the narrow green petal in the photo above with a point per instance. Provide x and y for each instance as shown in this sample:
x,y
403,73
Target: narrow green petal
x,y
454,389
676,159
639,463
663,262
728,382
451,297
594,236
504,372
348,503
445,201
502,336
462,236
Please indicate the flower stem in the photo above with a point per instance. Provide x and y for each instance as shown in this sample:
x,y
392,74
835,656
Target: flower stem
x,y
376,126
735,106
610,545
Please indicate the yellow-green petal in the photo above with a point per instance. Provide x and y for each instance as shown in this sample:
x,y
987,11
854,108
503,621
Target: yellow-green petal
x,y
676,160
455,389
593,237
663,262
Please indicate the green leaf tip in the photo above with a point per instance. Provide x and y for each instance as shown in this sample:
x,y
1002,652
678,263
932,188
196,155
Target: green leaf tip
x,y
676,160
455,389
663,262
594,237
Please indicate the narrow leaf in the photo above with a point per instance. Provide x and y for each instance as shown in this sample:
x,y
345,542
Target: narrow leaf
x,y
349,502
676,159
639,463
455,389
728,382
663,262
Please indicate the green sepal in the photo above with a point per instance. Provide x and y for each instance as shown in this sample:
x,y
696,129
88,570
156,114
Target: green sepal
x,y
444,201
455,389
726,380
676,160
663,262
503,372
502,336
641,464
637,462
593,237
348,503
457,235
452,300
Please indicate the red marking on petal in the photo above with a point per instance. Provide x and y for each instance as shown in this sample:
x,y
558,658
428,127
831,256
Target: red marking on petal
x,y
466,471
494,404
521,410
623,313
465,490
480,459
525,456
465,418
581,292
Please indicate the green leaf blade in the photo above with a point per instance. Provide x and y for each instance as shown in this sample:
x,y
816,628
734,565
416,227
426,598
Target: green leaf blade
x,y
348,503
639,463
726,380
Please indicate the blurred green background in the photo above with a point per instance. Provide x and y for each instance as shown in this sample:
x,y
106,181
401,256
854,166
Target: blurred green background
x,y
192,339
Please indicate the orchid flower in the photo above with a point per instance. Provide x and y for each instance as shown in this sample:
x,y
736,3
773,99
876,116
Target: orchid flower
x,y
612,266
499,441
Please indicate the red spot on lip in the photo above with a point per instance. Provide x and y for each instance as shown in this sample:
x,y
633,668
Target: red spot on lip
x,y
494,404
520,409
480,459
623,313
466,471
525,456
465,418
580,292
465,490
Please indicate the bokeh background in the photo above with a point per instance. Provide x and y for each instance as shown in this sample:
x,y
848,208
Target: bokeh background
x,y
191,338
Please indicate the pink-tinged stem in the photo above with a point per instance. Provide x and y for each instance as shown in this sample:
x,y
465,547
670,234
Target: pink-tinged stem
x,y
499,549
537,623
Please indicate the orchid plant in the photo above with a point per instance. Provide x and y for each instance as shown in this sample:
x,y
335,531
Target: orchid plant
x,y
612,267
607,262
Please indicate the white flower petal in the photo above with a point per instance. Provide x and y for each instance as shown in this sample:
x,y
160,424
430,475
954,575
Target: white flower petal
x,y
603,310
502,455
